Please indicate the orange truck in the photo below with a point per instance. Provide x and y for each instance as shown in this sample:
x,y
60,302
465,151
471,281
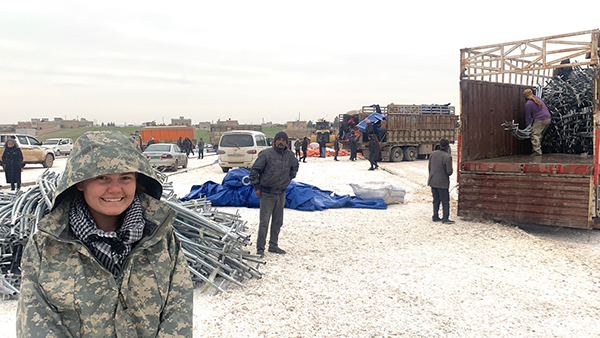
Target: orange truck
x,y
166,134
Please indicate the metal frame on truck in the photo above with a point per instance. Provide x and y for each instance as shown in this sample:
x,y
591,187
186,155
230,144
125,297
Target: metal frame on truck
x,y
497,178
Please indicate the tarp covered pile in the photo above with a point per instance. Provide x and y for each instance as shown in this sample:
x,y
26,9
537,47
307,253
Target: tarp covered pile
x,y
236,190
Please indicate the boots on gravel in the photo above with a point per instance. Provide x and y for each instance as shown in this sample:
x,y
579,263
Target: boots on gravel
x,y
277,250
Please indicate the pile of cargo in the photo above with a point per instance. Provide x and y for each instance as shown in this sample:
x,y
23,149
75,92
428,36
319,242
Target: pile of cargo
x,y
569,98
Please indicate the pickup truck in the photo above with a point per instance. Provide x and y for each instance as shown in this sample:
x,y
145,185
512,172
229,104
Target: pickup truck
x,y
33,152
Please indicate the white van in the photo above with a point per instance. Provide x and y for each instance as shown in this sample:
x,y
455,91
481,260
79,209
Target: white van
x,y
240,148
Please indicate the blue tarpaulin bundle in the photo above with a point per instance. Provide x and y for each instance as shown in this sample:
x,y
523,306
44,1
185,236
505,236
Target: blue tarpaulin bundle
x,y
374,118
237,192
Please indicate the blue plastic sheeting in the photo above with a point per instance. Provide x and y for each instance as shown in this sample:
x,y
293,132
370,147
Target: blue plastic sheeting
x,y
375,117
300,196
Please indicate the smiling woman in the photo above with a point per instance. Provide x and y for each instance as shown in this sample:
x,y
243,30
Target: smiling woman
x,y
105,262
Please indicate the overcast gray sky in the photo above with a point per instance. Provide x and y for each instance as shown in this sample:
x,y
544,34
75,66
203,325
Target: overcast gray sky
x,y
135,61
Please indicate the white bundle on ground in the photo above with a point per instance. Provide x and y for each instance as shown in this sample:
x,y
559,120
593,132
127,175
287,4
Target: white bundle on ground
x,y
389,192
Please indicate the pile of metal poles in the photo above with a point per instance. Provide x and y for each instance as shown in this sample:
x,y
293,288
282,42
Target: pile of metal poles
x,y
213,242
569,99
521,134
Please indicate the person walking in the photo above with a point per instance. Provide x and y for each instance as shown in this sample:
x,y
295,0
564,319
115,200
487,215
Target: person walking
x,y
304,148
440,170
270,175
297,146
188,146
201,149
353,147
105,262
538,116
336,147
12,162
374,152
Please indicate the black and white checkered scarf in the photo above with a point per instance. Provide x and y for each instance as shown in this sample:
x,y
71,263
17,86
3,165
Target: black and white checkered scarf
x,y
110,248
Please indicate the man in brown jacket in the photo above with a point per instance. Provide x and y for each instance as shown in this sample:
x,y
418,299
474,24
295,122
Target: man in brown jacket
x,y
440,170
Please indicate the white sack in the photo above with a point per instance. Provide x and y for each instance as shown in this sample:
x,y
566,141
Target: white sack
x,y
389,192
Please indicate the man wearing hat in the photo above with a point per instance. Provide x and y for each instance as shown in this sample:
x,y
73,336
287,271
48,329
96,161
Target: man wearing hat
x,y
270,175
538,116
440,170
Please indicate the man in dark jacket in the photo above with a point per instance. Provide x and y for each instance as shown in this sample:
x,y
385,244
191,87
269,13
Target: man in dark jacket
x,y
374,152
440,170
201,148
304,148
353,146
270,175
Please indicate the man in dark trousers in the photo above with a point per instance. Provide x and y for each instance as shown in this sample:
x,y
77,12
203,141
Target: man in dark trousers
x,y
336,147
304,148
374,152
323,146
353,146
440,170
270,175
201,148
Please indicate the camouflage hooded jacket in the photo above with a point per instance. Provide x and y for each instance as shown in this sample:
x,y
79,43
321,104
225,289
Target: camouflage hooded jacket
x,y
66,292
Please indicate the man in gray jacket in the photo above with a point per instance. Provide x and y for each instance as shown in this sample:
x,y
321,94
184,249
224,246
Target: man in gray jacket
x,y
440,170
270,175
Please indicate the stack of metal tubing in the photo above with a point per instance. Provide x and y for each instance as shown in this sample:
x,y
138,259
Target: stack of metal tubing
x,y
569,98
213,242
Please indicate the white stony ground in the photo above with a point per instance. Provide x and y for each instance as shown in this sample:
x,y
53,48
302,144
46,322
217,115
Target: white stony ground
x,y
392,273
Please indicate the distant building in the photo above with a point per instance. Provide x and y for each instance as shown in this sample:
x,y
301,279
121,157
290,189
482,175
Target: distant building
x,y
149,124
181,121
7,127
228,123
296,125
203,125
44,125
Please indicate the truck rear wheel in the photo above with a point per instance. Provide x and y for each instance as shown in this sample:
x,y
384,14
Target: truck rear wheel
x,y
410,153
396,155
48,161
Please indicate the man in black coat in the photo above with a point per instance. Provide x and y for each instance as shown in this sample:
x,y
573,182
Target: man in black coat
x,y
440,170
270,175
304,148
373,152
353,146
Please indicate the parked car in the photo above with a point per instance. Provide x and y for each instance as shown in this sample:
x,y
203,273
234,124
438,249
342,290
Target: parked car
x,y
32,149
208,148
166,156
240,148
60,146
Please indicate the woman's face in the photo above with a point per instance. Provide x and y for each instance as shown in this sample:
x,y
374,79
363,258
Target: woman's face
x,y
10,143
109,195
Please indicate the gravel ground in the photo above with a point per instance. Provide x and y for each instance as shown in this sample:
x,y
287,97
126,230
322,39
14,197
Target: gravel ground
x,y
391,273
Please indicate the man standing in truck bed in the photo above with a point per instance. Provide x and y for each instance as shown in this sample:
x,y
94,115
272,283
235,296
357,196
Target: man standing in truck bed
x,y
536,112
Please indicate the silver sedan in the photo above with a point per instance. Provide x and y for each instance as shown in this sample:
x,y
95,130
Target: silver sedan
x,y
166,156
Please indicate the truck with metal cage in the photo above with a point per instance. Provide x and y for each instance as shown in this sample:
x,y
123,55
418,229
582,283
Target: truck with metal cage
x,y
405,131
498,179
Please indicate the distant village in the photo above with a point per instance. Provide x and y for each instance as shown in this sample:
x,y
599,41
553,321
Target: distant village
x,y
41,126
